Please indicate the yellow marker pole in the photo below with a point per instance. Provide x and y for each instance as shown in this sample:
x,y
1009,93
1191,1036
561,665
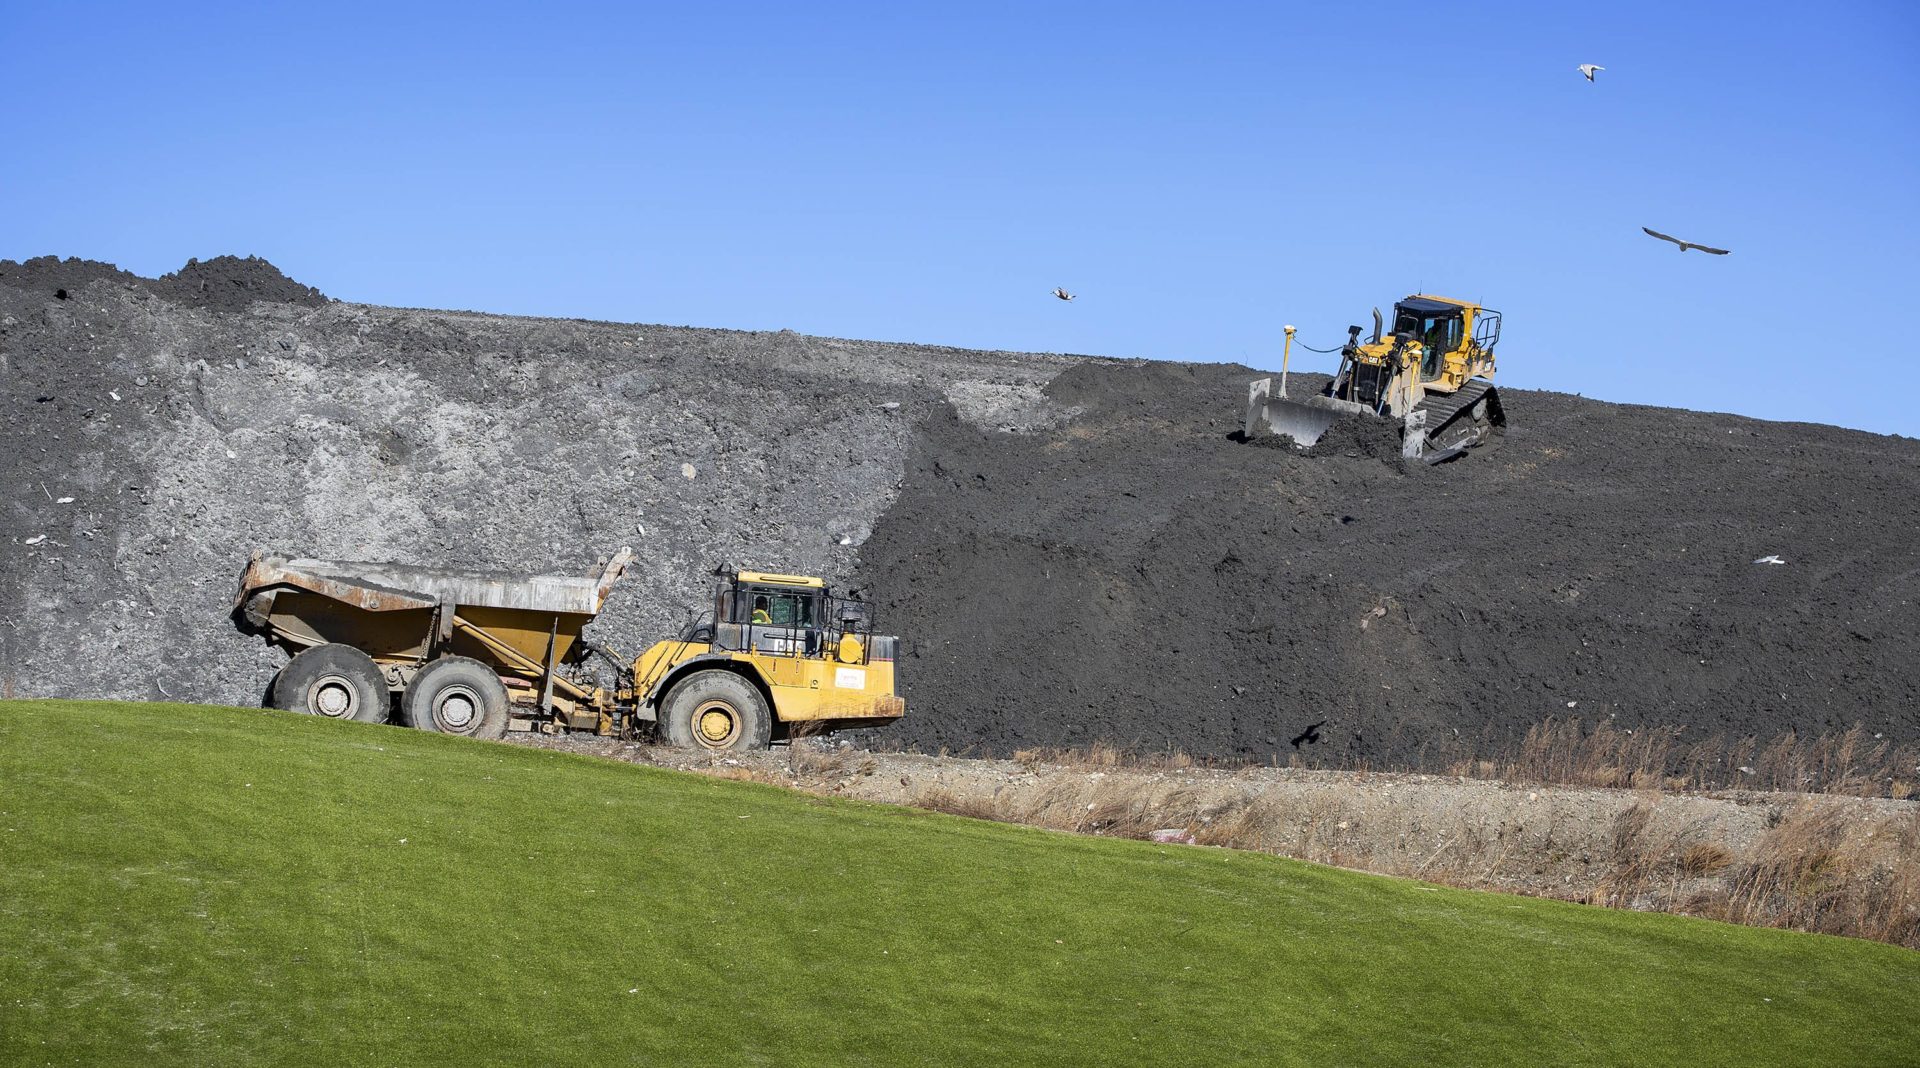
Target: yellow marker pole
x,y
1286,350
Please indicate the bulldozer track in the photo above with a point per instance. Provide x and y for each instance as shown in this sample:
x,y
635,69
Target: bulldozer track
x,y
1445,410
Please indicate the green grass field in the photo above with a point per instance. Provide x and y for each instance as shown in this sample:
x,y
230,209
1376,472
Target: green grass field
x,y
207,886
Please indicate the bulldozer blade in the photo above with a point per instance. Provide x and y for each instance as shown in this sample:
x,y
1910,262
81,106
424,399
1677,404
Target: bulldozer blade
x,y
1302,419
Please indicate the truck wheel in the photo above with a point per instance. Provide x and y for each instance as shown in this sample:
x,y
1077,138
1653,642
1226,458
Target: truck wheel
x,y
336,681
715,710
456,695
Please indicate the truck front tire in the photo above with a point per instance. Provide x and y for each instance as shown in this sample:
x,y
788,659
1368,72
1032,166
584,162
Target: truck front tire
x,y
714,710
336,681
456,695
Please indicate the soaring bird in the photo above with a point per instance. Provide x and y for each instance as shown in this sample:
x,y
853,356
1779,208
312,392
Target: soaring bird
x,y
1310,735
1588,69
1684,245
1061,293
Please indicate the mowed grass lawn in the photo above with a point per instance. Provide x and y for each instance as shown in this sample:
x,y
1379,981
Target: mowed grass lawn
x,y
209,886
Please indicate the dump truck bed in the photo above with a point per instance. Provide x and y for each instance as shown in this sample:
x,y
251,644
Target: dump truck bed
x,y
400,585
522,625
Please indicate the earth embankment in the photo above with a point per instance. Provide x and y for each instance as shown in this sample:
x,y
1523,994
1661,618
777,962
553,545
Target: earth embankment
x,y
1074,549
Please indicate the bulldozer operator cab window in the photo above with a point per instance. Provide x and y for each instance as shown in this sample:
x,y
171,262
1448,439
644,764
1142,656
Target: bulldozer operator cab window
x,y
1437,335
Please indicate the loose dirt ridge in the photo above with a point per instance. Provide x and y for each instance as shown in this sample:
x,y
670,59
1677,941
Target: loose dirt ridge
x,y
1141,576
1075,549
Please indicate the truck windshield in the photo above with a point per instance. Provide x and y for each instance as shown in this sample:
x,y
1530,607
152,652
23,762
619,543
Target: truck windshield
x,y
784,608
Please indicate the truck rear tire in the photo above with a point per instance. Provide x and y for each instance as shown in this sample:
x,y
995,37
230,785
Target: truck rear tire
x,y
336,681
715,710
456,695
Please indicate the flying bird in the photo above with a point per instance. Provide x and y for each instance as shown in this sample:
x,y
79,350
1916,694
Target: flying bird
x,y
1588,69
1684,245
1309,736
1771,558
1061,293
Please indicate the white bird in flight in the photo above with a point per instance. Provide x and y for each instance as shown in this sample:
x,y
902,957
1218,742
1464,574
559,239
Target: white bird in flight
x,y
1062,293
1684,245
1770,559
1588,69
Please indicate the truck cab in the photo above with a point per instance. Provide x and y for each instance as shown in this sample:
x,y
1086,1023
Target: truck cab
x,y
779,655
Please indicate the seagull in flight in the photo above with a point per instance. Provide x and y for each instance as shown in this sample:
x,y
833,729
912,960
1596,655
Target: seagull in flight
x,y
1772,558
1684,245
1588,69
1062,293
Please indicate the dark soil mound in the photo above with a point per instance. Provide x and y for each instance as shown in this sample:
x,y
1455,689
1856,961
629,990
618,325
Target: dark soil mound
x,y
55,276
1140,576
224,283
1356,438
229,283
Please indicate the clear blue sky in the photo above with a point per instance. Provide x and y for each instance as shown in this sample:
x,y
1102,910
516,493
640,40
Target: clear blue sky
x,y
1199,174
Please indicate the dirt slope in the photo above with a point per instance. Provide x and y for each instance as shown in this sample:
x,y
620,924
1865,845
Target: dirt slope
x,y
1141,576
1071,556
156,439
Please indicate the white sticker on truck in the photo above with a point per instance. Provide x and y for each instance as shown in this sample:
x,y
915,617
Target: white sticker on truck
x,y
850,678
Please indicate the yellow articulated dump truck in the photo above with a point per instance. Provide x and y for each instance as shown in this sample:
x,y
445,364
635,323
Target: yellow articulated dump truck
x,y
479,654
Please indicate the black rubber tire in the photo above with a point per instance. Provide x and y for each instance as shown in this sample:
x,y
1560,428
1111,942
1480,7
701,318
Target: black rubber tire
x,y
711,697
456,695
336,681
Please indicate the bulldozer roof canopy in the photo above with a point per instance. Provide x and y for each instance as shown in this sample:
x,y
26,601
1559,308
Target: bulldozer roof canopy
x,y
1432,307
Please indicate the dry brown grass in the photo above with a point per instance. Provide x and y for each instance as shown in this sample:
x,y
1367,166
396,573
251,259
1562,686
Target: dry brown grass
x,y
1818,870
1569,752
959,805
1826,865
1831,864
1566,751
1106,755
1822,866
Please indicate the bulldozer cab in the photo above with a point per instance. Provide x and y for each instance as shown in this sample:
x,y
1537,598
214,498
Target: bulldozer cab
x,y
1448,328
1438,327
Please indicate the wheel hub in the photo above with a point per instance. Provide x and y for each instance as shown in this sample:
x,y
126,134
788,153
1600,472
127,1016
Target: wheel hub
x,y
332,696
716,725
457,708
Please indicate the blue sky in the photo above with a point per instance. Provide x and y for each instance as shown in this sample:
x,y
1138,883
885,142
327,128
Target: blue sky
x,y
1199,174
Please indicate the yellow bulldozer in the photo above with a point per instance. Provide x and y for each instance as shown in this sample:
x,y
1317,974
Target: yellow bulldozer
x,y
1432,374
481,653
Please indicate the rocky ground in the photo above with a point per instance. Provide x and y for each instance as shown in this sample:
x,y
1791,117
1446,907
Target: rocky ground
x,y
1073,549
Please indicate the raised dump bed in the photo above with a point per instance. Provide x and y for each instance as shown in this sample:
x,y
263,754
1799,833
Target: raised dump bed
x,y
480,653
524,629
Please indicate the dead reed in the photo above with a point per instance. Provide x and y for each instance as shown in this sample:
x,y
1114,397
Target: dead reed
x,y
1569,752
1825,865
1817,859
